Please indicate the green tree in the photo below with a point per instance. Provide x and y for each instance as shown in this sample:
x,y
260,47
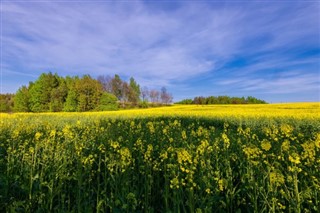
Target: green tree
x,y
117,87
134,93
22,100
6,102
58,96
89,91
71,104
40,92
107,102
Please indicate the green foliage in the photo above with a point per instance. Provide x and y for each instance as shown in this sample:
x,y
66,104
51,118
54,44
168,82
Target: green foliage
x,y
40,92
117,87
89,91
53,93
6,102
134,95
22,100
71,103
185,101
107,102
222,100
143,104
58,96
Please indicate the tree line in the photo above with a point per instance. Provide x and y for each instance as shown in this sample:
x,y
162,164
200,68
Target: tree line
x,y
222,100
6,102
54,93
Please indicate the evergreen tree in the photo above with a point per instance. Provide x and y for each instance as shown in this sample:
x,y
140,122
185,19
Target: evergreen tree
x,y
134,93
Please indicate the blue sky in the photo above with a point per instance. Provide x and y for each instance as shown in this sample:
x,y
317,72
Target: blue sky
x,y
266,49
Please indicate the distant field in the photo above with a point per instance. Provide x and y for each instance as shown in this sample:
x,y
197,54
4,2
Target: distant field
x,y
181,158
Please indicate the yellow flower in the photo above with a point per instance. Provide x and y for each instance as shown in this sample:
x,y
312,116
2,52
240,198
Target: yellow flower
x,y
276,178
317,141
285,145
37,135
309,151
226,140
286,129
265,145
221,184
294,158
148,153
252,152
126,157
115,145
184,135
184,156
151,127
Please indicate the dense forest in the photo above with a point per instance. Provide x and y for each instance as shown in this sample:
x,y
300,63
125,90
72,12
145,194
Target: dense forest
x,y
222,100
53,93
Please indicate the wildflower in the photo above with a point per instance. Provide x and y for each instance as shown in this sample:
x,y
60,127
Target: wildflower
x,y
148,153
115,145
184,156
265,145
286,129
53,133
309,151
184,135
252,152
276,178
226,140
285,145
317,141
151,127
221,184
174,183
294,158
37,135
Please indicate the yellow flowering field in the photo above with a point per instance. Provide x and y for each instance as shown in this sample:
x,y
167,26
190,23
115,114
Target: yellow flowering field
x,y
214,158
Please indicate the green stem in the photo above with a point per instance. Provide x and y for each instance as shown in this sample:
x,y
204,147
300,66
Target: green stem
x,y
296,192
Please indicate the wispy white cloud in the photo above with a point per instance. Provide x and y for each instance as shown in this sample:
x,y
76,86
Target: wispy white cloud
x,y
105,38
285,83
162,45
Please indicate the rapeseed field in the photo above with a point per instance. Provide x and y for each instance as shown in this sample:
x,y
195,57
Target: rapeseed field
x,y
214,158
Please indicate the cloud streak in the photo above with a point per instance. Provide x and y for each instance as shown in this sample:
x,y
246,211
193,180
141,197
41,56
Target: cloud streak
x,y
161,44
